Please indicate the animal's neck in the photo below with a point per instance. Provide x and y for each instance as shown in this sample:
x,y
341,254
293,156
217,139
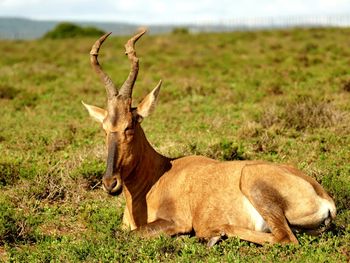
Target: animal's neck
x,y
150,166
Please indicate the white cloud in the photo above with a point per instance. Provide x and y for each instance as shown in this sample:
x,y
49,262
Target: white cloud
x,y
302,7
334,5
167,11
17,3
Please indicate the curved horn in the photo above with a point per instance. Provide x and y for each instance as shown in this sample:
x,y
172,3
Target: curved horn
x,y
110,88
126,89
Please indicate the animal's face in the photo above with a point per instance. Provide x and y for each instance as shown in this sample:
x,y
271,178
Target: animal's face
x,y
120,121
124,136
121,124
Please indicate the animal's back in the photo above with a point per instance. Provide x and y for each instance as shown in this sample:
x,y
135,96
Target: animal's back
x,y
200,192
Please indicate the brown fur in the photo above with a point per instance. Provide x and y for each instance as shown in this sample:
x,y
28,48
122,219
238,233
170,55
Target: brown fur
x,y
254,200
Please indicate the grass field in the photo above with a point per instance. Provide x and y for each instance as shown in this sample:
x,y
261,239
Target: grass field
x,y
282,96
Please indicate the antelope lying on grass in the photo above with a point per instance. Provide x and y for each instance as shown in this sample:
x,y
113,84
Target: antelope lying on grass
x,y
254,200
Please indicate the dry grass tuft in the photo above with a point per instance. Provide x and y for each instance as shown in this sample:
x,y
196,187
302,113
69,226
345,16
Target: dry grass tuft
x,y
310,113
271,116
52,186
302,114
268,143
249,129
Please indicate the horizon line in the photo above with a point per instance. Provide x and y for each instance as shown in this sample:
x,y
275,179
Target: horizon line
x,y
208,22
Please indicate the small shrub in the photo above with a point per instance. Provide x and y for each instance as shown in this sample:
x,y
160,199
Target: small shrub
x,y
226,150
52,187
15,227
180,31
8,228
9,174
91,31
69,30
346,85
8,92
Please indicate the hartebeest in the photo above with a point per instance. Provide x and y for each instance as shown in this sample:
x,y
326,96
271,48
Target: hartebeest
x,y
256,201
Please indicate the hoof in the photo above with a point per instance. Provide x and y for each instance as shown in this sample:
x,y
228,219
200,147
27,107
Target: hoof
x,y
214,240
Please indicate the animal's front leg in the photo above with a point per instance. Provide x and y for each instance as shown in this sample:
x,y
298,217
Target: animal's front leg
x,y
158,227
127,223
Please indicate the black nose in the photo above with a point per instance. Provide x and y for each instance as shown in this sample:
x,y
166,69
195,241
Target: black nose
x,y
112,185
109,183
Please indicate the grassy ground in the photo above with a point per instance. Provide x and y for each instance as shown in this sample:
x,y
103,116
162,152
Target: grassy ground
x,y
281,96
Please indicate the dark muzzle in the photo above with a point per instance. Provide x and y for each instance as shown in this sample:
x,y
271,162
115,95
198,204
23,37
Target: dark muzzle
x,y
112,181
112,184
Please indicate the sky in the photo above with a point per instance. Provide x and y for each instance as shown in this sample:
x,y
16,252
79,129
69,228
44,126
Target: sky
x,y
168,11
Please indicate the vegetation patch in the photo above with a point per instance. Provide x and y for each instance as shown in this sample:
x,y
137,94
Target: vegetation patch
x,y
69,30
227,151
26,99
49,187
303,113
14,226
8,92
180,30
346,85
9,174
91,171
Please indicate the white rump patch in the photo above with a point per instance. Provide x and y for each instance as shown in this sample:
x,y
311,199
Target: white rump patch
x,y
257,220
325,207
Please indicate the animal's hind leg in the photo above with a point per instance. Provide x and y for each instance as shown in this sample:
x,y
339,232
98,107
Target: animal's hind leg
x,y
270,205
214,234
158,227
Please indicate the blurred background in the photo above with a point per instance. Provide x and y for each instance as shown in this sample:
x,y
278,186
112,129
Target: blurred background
x,y
34,18
276,87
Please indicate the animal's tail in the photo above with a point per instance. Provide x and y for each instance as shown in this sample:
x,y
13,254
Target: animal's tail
x,y
321,228
333,211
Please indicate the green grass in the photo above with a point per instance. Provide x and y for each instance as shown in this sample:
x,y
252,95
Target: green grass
x,y
280,95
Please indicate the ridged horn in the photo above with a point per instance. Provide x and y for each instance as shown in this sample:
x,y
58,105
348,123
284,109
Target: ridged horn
x,y
110,88
126,89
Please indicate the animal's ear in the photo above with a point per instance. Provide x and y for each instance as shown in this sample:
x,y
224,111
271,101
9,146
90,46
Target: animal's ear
x,y
148,104
95,112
